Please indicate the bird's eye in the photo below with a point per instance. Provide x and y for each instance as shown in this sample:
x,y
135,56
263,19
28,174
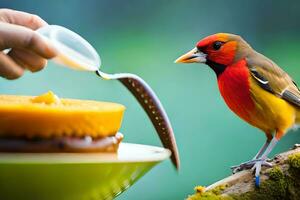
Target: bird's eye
x,y
217,45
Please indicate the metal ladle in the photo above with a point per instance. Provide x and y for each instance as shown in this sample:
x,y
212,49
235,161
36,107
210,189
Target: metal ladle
x,y
76,53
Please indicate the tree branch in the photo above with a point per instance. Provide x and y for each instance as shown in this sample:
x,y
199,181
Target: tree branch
x,y
282,181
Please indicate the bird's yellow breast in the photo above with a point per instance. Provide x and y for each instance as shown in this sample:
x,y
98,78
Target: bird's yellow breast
x,y
271,112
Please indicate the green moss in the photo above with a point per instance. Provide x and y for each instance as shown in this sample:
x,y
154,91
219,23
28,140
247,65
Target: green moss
x,y
276,173
213,194
294,160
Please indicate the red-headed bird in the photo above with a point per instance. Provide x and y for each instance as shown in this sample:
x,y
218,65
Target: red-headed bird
x,y
253,87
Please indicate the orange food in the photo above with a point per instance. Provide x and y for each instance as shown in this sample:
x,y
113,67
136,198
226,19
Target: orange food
x,y
47,116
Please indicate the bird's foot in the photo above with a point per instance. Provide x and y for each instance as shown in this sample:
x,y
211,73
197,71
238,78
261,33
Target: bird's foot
x,y
257,168
255,165
250,164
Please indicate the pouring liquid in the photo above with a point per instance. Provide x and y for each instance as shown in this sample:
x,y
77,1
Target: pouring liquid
x,y
77,53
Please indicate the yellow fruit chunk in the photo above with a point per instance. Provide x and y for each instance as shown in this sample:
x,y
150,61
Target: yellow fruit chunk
x,y
48,116
47,98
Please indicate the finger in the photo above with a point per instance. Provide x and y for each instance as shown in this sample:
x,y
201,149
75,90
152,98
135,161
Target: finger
x,y
28,60
21,18
14,36
8,68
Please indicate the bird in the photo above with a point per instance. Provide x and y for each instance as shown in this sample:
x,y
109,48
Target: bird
x,y
253,86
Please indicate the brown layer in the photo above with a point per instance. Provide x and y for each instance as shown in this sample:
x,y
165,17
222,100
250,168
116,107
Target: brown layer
x,y
63,144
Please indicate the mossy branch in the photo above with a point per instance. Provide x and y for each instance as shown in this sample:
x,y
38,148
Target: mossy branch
x,y
282,181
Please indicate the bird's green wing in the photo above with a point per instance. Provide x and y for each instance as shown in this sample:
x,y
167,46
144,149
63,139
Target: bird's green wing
x,y
273,79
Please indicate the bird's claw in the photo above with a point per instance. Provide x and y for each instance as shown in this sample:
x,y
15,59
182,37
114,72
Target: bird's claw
x,y
245,165
257,168
250,164
257,181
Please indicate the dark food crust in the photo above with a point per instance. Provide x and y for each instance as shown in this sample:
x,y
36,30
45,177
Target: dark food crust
x,y
63,144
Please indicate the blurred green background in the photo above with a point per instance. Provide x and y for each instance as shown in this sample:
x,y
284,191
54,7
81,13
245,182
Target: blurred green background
x,y
145,37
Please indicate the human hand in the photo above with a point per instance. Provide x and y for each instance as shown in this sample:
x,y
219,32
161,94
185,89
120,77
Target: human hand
x,y
29,51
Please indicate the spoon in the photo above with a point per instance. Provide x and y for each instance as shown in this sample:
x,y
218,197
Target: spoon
x,y
76,53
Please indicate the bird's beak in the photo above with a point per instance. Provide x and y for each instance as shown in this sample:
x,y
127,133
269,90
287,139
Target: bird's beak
x,y
193,56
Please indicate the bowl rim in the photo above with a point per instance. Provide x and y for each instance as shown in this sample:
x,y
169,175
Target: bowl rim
x,y
127,152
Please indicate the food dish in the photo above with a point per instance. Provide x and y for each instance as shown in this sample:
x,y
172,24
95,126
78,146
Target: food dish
x,y
48,124
75,176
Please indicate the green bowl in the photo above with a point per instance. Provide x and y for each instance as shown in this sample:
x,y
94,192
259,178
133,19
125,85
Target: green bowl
x,y
75,176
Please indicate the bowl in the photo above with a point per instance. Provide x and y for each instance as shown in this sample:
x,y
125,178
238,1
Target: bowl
x,y
75,176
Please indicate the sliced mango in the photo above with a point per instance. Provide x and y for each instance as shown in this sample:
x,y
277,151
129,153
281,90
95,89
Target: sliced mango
x,y
48,116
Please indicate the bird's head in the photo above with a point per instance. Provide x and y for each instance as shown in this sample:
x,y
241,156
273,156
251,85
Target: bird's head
x,y
218,51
